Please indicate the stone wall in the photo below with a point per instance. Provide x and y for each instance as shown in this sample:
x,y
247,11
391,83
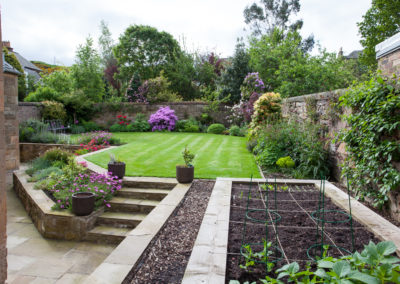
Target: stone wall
x,y
388,56
11,124
30,151
106,116
3,205
319,109
27,110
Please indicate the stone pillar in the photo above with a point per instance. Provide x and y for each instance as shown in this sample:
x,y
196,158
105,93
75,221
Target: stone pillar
x,y
3,208
388,56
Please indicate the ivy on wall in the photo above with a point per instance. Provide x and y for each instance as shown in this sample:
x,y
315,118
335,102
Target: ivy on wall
x,y
372,139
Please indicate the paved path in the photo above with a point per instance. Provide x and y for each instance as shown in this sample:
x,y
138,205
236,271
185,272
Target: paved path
x,y
34,259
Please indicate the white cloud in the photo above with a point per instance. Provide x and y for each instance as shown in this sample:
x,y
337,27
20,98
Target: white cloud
x,y
51,30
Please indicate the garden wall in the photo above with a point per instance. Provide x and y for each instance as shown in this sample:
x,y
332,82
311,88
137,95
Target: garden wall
x,y
30,151
27,110
106,114
319,109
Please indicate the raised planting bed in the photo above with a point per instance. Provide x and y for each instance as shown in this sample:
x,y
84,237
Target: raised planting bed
x,y
296,229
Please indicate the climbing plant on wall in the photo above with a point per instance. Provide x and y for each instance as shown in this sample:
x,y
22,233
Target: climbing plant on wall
x,y
372,138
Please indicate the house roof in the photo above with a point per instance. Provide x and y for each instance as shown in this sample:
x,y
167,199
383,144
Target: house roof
x,y
388,46
7,68
26,64
355,54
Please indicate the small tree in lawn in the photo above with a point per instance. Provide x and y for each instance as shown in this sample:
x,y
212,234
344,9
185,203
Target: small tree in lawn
x,y
164,118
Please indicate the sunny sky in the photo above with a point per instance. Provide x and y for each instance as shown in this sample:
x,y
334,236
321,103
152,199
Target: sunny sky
x,y
51,30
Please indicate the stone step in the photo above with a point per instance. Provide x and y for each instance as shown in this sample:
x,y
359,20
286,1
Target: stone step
x,y
132,205
120,219
143,193
107,234
148,184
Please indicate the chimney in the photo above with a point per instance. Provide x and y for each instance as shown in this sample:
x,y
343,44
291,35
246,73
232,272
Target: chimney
x,y
340,54
7,45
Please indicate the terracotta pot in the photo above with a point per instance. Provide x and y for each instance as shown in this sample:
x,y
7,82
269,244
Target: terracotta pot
x,y
83,203
117,169
184,174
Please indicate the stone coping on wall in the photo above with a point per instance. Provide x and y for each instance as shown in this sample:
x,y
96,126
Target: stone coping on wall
x,y
207,263
30,104
318,96
50,223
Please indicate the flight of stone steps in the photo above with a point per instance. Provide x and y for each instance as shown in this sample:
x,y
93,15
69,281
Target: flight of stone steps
x,y
128,208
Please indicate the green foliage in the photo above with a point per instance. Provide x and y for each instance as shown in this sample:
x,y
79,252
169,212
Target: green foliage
x,y
45,137
145,50
77,129
44,173
233,76
188,157
37,132
30,85
118,128
90,126
87,72
43,94
38,164
285,162
53,111
287,69
372,140
187,125
379,23
235,130
251,257
57,154
375,264
140,124
60,81
266,110
11,59
299,141
76,106
157,90
216,128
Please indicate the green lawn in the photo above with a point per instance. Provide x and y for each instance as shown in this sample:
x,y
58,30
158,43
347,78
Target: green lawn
x,y
156,154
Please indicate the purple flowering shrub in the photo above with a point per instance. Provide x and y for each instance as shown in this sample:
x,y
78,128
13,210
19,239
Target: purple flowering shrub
x,y
251,91
164,118
102,185
99,138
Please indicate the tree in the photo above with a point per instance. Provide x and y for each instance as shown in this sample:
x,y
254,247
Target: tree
x,y
233,76
106,44
271,14
87,72
145,50
380,22
11,59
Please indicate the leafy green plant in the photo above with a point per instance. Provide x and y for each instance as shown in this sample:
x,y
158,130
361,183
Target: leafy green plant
x,y
285,162
53,111
188,157
235,130
57,154
251,257
372,140
216,128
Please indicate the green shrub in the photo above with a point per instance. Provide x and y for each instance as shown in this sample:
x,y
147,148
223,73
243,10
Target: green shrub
x,y
235,130
115,128
299,141
187,125
37,164
216,128
25,133
53,111
90,126
285,162
43,93
191,128
57,154
44,173
140,124
45,137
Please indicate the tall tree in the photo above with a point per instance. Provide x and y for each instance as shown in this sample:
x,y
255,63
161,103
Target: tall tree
x,y
87,72
234,74
106,44
380,22
145,50
270,14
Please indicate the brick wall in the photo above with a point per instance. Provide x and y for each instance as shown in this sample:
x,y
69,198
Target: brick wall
x,y
3,207
11,124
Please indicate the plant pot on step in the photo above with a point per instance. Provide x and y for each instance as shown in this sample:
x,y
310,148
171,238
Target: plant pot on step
x,y
83,203
117,169
184,174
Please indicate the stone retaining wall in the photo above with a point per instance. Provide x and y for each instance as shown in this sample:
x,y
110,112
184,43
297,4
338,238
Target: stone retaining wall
x,y
28,110
30,151
61,225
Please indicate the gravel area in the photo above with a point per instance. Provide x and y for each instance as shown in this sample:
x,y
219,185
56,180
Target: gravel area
x,y
166,258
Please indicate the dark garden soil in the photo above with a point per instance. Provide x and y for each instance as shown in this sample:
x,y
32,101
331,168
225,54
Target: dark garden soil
x,y
297,230
166,258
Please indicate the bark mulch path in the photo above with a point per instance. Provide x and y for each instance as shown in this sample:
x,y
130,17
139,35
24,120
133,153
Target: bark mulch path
x,y
166,258
296,229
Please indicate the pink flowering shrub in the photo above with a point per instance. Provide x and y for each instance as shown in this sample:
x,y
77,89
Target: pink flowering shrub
x,y
103,186
164,118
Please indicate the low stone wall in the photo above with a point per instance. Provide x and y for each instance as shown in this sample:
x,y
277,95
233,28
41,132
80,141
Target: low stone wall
x,y
107,113
27,110
30,151
61,225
